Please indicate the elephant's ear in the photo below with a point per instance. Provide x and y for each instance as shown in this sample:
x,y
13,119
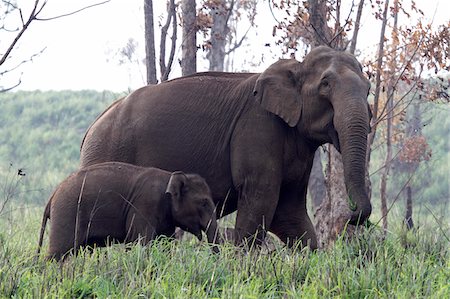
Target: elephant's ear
x,y
176,182
278,90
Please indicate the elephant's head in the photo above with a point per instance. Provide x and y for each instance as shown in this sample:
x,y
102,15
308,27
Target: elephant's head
x,y
192,207
325,97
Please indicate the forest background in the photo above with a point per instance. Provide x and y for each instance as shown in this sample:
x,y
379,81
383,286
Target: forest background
x,y
402,45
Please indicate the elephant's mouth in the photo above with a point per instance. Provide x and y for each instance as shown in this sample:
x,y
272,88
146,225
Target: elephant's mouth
x,y
333,134
196,231
199,235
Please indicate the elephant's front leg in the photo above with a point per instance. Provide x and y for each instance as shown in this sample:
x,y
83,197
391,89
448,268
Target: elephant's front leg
x,y
257,151
258,198
291,221
138,228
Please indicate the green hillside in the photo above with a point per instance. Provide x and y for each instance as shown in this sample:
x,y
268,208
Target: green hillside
x,y
41,132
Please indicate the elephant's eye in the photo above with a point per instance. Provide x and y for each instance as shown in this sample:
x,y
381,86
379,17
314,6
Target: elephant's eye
x,y
324,87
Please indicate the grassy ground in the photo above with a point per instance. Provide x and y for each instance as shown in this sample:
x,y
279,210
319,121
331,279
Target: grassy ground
x,y
412,265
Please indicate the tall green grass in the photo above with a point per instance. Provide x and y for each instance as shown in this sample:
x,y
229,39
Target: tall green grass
x,y
412,264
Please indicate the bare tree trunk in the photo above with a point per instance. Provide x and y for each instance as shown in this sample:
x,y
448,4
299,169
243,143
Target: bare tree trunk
x,y
189,43
171,19
357,25
333,213
318,20
220,14
389,120
150,57
337,40
376,100
387,162
316,185
383,183
409,209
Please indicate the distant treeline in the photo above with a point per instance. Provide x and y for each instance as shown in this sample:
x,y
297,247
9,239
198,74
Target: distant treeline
x,y
41,132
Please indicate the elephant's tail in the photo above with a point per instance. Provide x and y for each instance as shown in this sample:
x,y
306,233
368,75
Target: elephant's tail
x,y
45,217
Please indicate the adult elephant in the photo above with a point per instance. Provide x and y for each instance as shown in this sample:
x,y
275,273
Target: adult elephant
x,y
252,136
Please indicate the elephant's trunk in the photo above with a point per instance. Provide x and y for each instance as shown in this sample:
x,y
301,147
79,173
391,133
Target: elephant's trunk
x,y
211,234
353,128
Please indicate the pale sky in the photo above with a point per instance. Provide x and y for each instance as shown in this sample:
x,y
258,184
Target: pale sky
x,y
79,49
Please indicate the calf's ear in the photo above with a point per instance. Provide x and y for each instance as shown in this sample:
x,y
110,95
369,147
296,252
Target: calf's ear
x,y
176,182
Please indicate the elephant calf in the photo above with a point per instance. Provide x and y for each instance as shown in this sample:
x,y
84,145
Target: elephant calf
x,y
122,202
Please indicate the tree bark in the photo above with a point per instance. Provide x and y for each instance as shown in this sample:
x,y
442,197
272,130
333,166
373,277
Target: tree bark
x,y
318,20
150,57
189,43
171,19
219,32
333,214
357,25
316,185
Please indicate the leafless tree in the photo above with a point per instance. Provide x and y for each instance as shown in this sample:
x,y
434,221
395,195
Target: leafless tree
x,y
189,39
150,57
171,19
10,10
356,28
224,17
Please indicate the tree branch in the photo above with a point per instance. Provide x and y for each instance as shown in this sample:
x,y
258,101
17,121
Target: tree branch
x,y
173,43
22,62
70,13
238,44
382,114
357,25
230,12
11,87
271,11
21,32
162,56
37,9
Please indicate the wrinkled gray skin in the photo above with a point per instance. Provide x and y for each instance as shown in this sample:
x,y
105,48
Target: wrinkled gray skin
x,y
253,136
124,202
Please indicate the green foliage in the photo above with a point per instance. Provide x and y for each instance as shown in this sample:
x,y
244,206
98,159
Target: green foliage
x,y
404,265
41,133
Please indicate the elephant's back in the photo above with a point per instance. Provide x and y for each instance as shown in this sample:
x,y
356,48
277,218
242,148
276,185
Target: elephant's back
x,y
197,93
116,179
185,124
100,138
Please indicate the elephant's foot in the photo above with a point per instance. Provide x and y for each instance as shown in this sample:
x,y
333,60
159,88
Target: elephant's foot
x,y
292,232
268,244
